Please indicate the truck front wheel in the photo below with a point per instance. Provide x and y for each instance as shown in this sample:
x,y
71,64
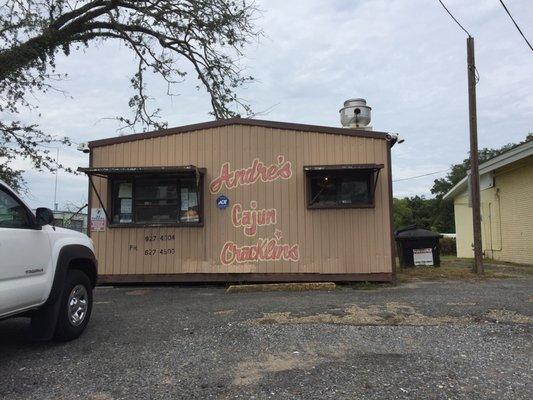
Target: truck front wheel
x,y
76,306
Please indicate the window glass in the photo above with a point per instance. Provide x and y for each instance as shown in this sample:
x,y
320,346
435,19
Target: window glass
x,y
158,200
12,213
189,204
76,225
340,188
123,201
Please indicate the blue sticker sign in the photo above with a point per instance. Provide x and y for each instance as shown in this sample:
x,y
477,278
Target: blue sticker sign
x,y
222,202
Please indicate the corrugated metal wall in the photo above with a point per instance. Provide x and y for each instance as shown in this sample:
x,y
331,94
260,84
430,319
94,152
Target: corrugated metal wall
x,y
346,241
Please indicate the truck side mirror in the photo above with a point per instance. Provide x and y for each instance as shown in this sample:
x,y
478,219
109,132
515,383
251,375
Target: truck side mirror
x,y
44,216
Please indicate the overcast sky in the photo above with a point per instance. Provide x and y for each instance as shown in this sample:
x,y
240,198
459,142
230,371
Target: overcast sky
x,y
406,57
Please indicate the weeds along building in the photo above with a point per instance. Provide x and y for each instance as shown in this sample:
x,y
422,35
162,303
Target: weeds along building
x,y
244,200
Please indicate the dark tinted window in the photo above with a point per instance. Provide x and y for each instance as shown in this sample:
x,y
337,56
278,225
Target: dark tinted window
x,y
12,213
339,188
157,200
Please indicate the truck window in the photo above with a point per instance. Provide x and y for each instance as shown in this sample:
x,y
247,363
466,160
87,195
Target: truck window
x,y
12,213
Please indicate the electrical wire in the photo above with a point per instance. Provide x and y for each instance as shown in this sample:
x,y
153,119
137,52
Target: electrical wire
x,y
457,22
468,33
420,176
515,24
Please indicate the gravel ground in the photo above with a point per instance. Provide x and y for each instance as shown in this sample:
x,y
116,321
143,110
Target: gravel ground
x,y
445,340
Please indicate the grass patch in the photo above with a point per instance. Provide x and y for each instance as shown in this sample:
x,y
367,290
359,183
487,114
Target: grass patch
x,y
453,268
514,268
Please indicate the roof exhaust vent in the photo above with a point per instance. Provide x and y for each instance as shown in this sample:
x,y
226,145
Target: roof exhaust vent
x,y
356,114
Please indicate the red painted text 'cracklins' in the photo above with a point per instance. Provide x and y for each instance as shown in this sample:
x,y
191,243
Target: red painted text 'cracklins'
x,y
265,249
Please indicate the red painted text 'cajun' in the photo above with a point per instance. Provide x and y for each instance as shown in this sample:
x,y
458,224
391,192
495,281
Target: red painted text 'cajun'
x,y
252,218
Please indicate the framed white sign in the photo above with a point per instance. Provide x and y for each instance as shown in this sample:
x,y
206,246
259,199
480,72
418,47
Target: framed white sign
x,y
423,257
97,220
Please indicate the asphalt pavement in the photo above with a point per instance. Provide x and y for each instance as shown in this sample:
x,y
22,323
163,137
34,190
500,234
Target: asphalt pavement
x,y
441,340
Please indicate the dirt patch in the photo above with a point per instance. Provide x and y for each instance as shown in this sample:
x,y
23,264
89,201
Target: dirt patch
x,y
100,396
390,314
224,312
506,316
250,372
138,292
168,379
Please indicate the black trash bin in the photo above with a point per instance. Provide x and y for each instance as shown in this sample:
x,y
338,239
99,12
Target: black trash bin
x,y
417,246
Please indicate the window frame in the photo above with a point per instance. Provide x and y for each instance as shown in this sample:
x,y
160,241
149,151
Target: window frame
x,y
31,221
373,174
176,224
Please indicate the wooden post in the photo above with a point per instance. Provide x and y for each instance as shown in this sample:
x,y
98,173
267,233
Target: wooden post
x,y
474,167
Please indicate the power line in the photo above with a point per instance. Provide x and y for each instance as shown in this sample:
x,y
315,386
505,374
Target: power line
x,y
468,33
457,22
515,24
420,176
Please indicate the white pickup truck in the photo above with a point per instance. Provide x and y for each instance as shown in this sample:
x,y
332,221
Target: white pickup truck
x,y
46,273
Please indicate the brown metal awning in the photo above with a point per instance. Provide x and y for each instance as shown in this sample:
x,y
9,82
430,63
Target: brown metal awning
x,y
105,172
344,167
375,168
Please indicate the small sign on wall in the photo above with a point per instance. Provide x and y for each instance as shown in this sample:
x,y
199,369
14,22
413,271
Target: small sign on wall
x,y
423,257
222,202
97,220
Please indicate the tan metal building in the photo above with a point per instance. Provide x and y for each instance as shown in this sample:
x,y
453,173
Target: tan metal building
x,y
242,200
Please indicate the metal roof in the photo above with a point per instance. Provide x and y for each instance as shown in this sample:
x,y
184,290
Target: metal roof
x,y
515,154
239,121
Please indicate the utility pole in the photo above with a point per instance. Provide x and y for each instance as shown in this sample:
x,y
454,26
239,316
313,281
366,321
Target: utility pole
x,y
55,185
474,162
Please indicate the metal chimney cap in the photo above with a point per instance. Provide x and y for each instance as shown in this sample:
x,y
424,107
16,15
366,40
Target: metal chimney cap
x,y
356,114
357,101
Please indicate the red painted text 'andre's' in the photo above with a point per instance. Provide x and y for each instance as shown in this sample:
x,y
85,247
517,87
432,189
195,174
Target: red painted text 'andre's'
x,y
248,176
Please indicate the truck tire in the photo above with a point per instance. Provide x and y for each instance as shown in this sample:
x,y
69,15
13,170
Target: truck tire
x,y
75,306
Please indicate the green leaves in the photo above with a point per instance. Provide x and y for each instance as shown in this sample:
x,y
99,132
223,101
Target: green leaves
x,y
435,213
458,171
209,35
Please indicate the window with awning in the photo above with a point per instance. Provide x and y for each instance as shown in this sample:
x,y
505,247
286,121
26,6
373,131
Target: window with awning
x,y
152,196
341,186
